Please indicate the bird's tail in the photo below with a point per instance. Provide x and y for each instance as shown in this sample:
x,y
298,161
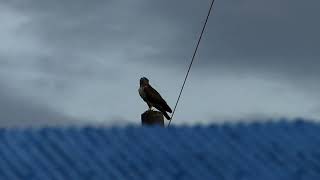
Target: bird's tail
x,y
167,108
166,115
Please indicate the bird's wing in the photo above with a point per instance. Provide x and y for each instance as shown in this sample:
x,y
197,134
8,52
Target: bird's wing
x,y
153,96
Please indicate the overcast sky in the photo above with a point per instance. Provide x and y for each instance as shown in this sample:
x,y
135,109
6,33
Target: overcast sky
x,y
80,61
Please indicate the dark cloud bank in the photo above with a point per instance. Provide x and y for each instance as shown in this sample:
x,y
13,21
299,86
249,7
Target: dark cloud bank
x,y
19,111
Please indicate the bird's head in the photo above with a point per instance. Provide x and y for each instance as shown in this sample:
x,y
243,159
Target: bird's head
x,y
144,81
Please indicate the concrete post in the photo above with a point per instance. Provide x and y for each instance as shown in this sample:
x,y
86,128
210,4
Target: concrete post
x,y
152,118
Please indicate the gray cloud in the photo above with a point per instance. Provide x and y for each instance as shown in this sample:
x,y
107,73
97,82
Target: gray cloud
x,y
250,30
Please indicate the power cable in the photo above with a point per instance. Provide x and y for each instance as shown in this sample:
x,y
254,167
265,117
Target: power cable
x,y
194,54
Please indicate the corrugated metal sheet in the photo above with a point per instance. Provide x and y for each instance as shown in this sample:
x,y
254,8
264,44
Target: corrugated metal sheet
x,y
254,151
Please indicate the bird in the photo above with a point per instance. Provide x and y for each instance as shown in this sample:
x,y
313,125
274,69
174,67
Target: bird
x,y
153,98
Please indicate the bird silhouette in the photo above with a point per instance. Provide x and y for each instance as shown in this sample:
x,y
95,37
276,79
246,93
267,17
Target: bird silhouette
x,y
153,98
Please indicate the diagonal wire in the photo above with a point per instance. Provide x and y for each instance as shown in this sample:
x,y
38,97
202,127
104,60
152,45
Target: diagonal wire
x,y
194,54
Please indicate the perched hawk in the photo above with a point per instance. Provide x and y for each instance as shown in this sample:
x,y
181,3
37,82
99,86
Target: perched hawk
x,y
153,98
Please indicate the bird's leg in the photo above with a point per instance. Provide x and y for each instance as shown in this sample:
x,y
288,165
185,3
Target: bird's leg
x,y
150,107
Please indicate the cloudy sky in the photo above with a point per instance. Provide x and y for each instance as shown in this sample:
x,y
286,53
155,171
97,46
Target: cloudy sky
x,y
78,61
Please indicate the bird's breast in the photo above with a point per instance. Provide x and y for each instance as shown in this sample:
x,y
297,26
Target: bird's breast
x,y
142,93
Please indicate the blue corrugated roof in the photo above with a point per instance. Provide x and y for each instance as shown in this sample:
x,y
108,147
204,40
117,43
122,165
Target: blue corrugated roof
x,y
275,150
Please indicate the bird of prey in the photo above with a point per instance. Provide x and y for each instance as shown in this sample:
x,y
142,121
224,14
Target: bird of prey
x,y
153,98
